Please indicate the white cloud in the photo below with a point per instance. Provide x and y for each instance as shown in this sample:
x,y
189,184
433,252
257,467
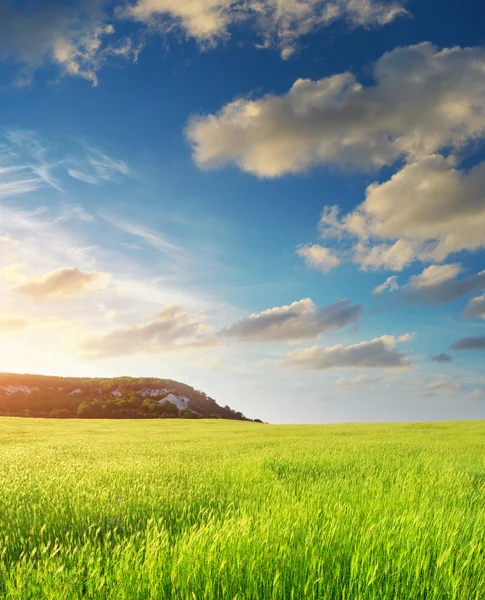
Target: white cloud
x,y
379,353
439,388
318,257
390,284
475,308
478,394
423,100
171,330
407,337
74,37
299,321
66,282
435,275
279,22
426,211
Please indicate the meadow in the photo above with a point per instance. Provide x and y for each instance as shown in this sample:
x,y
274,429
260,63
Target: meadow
x,y
198,510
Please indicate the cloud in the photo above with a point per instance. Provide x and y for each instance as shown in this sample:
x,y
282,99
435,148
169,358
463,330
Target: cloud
x,y
439,388
97,167
442,358
278,22
151,238
171,330
24,164
299,321
478,394
475,308
318,257
390,284
360,380
12,323
81,176
29,163
380,353
74,36
435,275
437,285
473,342
426,211
422,100
66,282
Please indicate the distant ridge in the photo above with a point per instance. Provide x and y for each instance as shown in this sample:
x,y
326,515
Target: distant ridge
x,y
106,398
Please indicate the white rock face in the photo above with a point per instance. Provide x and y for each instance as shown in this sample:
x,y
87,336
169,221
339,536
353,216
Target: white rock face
x,y
116,393
153,392
179,401
78,391
13,389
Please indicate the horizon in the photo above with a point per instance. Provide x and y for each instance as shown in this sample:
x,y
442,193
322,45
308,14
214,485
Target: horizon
x,y
282,208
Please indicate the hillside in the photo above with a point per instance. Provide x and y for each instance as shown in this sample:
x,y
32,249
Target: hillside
x,y
109,398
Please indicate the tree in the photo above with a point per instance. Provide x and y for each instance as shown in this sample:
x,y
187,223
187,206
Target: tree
x,y
61,413
85,411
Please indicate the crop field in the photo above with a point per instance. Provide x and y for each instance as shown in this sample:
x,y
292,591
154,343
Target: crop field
x,y
223,510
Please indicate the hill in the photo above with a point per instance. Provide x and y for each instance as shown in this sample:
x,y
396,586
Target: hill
x,y
109,398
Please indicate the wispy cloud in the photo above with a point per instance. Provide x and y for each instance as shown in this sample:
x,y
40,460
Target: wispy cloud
x,y
151,238
97,167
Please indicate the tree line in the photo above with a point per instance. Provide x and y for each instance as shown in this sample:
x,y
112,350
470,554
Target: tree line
x,y
103,398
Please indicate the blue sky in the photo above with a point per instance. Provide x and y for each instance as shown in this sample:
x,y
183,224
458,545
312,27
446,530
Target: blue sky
x,y
216,191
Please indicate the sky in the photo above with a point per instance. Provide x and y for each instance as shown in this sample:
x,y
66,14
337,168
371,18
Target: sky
x,y
278,202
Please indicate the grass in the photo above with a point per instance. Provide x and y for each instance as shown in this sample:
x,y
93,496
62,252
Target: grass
x,y
224,510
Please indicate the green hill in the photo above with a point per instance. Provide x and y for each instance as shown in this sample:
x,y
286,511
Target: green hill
x,y
109,398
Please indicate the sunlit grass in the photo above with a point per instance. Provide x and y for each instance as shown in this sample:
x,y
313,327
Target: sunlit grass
x,y
214,509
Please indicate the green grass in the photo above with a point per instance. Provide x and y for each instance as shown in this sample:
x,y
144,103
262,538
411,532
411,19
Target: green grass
x,y
225,510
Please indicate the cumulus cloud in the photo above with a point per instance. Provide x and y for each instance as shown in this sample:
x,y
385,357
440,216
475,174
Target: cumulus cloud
x,y
437,284
426,211
279,22
66,282
299,321
379,353
318,257
472,342
390,284
439,388
171,330
478,394
475,308
12,323
71,35
441,358
422,99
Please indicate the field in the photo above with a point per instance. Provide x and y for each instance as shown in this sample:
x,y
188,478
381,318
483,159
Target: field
x,y
223,510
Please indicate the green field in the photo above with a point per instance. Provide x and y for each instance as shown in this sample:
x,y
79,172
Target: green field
x,y
215,509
